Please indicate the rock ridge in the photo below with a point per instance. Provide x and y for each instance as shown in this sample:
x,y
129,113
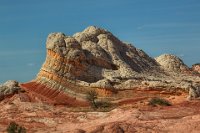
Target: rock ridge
x,y
95,59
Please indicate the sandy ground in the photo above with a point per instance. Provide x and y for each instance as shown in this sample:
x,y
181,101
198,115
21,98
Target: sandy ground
x,y
132,115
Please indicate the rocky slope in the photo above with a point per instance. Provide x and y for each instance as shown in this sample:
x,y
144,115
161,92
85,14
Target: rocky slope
x,y
95,59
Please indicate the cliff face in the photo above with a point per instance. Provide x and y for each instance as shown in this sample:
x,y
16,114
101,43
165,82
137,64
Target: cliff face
x,y
95,59
93,55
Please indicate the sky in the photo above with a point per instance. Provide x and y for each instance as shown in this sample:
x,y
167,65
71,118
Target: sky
x,y
156,26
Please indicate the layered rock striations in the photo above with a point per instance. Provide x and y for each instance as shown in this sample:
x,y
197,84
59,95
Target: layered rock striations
x,y
95,59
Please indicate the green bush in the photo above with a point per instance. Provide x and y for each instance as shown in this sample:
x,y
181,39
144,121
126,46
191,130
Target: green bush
x,y
15,128
159,101
91,97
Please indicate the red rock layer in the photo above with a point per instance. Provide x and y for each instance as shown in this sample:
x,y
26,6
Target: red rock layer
x,y
104,92
51,76
53,71
59,64
49,95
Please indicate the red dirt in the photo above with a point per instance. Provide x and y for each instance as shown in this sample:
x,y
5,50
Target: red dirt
x,y
182,117
133,114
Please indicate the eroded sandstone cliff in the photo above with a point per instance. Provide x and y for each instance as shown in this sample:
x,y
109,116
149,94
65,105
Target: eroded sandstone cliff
x,y
95,59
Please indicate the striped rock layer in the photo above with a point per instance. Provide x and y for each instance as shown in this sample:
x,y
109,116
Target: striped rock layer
x,y
95,59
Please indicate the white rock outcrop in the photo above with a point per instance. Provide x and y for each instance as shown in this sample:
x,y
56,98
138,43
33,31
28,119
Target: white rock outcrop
x,y
95,58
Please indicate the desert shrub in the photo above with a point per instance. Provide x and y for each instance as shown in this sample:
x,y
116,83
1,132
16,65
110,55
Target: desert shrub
x,y
159,101
15,128
91,97
100,105
103,104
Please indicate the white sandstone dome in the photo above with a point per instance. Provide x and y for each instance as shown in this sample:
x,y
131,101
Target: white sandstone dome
x,y
171,63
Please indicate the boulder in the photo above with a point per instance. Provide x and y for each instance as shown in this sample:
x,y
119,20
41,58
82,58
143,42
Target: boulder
x,y
9,88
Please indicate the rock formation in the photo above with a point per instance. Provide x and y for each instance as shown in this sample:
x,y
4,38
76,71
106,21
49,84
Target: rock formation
x,y
172,63
9,88
196,67
95,59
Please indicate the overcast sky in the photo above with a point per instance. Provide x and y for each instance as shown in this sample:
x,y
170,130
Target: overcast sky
x,y
156,26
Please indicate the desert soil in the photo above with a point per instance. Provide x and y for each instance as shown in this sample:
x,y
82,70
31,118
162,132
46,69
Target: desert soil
x,y
131,115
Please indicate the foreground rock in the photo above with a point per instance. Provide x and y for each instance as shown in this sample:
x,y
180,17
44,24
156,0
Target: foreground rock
x,y
95,59
134,116
9,88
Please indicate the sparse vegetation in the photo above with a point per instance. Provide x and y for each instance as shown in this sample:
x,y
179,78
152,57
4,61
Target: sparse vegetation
x,y
15,128
91,97
101,105
159,101
105,106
